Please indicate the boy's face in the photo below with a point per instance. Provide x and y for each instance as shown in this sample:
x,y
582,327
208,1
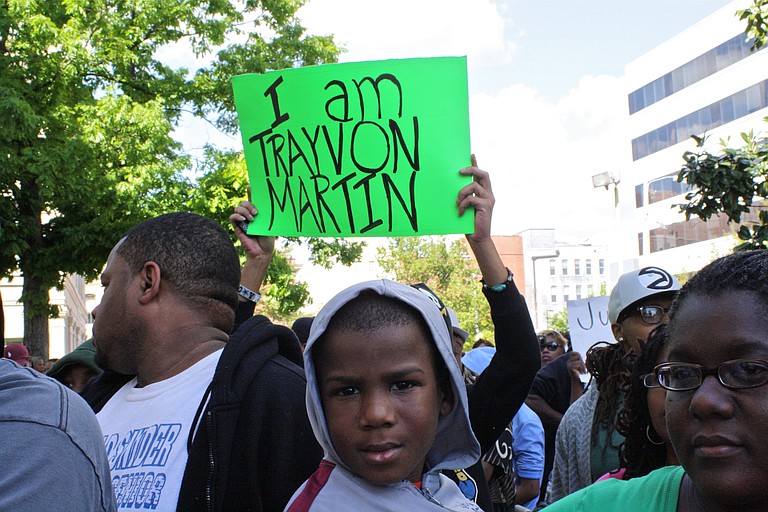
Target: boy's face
x,y
381,400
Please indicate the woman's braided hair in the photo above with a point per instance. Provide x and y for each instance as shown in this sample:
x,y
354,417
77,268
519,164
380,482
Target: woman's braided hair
x,y
637,453
610,366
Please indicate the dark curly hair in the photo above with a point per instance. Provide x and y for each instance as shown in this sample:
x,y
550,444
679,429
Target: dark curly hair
x,y
637,453
610,365
740,271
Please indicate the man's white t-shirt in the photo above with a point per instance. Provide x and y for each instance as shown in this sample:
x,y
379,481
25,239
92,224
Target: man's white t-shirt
x,y
145,433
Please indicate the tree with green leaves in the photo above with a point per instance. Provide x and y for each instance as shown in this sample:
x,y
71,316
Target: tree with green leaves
x,y
558,321
733,181
449,269
756,17
89,110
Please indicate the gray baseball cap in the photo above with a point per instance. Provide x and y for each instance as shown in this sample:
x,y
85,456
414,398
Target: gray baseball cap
x,y
637,285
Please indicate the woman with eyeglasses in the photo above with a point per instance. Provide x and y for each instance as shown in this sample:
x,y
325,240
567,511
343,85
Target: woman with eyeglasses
x,y
646,443
587,442
716,400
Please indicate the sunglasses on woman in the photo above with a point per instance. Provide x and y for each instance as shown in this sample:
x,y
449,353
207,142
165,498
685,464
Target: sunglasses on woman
x,y
549,345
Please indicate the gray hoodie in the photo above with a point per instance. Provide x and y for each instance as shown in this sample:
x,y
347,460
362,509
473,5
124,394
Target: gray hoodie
x,y
334,487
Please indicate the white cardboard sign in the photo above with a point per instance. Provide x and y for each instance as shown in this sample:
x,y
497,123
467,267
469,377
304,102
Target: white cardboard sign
x,y
588,323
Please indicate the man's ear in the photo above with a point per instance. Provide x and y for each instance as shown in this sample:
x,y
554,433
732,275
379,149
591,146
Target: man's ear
x,y
149,280
618,332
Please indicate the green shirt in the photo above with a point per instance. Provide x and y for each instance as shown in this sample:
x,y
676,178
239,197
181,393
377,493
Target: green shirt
x,y
658,491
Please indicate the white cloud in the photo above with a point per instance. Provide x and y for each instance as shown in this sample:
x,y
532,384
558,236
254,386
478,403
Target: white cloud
x,y
542,155
374,30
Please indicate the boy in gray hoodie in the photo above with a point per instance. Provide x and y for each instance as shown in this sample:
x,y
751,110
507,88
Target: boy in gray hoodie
x,y
386,402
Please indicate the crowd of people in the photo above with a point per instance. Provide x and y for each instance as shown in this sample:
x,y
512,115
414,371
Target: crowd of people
x,y
185,400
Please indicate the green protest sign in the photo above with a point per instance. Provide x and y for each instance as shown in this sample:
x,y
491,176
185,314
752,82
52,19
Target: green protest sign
x,y
358,149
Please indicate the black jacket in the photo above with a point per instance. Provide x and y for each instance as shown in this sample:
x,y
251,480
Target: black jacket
x,y
501,389
254,446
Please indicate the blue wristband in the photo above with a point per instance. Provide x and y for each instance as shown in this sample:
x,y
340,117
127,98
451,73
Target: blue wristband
x,y
498,288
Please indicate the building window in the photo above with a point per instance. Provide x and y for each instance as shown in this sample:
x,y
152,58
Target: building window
x,y
691,72
695,230
551,267
565,267
601,266
566,291
665,188
588,268
576,267
717,114
640,243
553,293
590,290
578,291
638,195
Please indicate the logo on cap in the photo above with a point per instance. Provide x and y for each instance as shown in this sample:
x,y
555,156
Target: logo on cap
x,y
664,280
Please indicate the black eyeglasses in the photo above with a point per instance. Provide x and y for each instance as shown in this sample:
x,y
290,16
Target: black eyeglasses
x,y
650,380
737,374
652,314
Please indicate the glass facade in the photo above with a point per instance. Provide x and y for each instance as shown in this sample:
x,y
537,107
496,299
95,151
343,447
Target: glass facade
x,y
666,187
695,230
691,72
728,109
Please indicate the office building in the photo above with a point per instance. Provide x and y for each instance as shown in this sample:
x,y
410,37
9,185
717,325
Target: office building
x,y
705,81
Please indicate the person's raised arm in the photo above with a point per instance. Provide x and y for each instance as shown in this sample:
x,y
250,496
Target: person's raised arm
x,y
479,195
258,255
502,387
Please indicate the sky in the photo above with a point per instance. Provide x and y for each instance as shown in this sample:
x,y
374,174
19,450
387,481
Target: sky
x,y
548,104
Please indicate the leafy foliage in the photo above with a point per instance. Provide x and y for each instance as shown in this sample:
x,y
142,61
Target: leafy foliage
x,y
559,321
284,296
89,109
730,182
449,270
757,22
